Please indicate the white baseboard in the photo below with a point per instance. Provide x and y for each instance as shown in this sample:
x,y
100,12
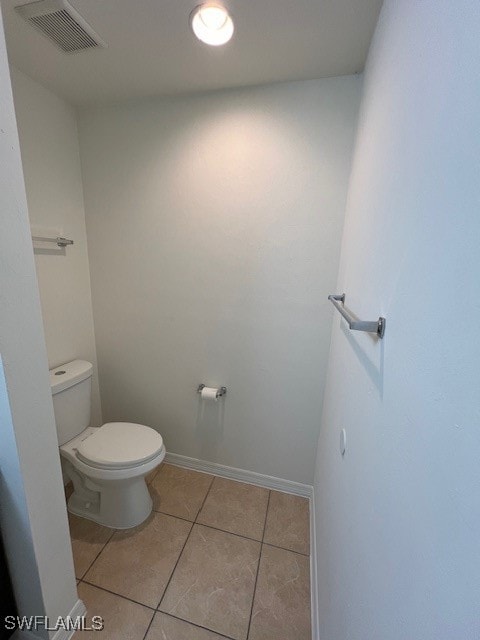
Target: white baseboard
x,y
62,634
24,635
79,609
241,475
313,570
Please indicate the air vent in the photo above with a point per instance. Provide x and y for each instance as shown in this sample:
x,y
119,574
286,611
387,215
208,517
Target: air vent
x,y
59,21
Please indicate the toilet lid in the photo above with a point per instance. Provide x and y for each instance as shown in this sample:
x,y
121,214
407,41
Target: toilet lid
x,y
119,445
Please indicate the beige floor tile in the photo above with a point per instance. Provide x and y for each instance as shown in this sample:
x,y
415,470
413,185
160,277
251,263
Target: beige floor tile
x,y
213,582
167,628
235,507
281,610
288,522
88,539
123,620
179,492
138,563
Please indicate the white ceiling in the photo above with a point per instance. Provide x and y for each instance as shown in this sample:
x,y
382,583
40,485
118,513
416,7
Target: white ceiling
x,y
151,50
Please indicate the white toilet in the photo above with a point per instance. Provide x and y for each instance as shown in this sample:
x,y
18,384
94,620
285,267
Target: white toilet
x,y
107,464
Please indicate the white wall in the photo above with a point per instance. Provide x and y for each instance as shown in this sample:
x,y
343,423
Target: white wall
x,y
32,515
398,520
214,227
51,164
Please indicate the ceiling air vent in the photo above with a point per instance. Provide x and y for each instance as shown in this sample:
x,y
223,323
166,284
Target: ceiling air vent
x,y
59,21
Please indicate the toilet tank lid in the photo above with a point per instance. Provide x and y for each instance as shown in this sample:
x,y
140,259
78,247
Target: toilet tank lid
x,y
69,374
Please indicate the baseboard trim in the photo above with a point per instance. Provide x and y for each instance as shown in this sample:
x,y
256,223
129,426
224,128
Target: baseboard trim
x,y
25,635
79,609
241,475
313,570
62,634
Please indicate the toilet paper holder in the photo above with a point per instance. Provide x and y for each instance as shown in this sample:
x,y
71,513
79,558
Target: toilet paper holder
x,y
221,391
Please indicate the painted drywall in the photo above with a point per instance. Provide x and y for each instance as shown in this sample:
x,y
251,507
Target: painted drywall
x,y
398,518
33,515
214,227
51,163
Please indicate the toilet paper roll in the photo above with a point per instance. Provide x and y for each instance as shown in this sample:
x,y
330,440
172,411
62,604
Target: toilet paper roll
x,y
209,393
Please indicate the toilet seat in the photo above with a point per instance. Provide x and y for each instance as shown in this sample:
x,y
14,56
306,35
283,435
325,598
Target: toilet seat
x,y
69,451
120,445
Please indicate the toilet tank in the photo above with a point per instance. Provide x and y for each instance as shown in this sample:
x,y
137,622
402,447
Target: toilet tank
x,y
71,390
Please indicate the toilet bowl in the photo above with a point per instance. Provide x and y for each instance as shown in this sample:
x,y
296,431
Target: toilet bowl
x,y
107,465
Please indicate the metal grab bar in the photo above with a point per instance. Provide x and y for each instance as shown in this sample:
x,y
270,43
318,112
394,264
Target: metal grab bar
x,y
61,242
371,326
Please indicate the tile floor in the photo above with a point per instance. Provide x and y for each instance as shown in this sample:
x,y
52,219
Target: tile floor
x,y
216,559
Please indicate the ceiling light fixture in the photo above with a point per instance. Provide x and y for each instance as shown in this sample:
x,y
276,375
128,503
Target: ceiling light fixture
x,y
212,24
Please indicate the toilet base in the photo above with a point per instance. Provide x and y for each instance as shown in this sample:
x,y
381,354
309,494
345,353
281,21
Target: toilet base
x,y
115,498
118,504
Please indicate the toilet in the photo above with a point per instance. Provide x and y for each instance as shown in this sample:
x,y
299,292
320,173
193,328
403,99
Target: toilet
x,y
106,464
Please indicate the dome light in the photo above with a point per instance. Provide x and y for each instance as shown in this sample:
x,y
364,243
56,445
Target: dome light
x,y
212,24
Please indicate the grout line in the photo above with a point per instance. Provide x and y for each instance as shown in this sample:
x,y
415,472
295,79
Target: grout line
x,y
96,557
194,624
230,533
149,625
205,499
275,546
254,591
170,515
147,606
266,516
239,535
185,544
175,566
258,565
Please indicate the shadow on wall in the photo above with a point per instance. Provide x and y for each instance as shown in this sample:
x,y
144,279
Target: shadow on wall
x,y
209,426
57,251
374,370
